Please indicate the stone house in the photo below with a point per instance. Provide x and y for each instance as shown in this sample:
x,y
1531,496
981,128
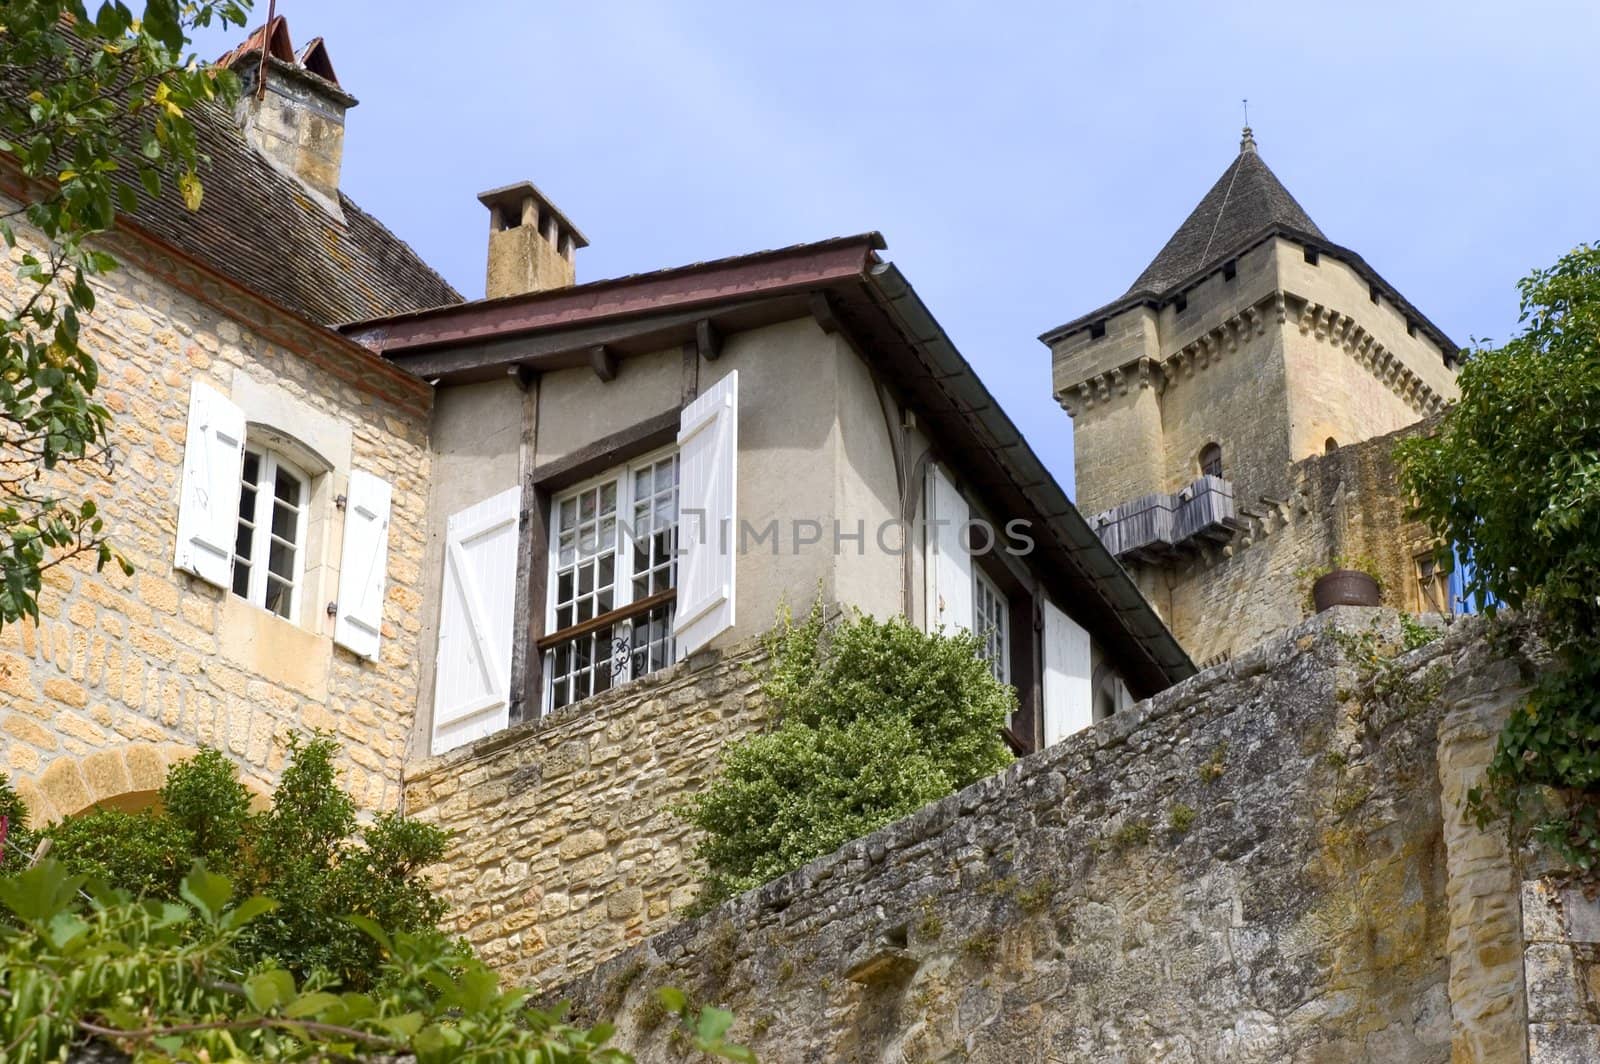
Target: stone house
x,y
269,486
1231,413
516,554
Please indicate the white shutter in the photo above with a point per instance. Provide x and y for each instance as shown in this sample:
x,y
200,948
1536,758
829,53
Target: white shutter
x,y
363,564
708,458
948,564
472,669
208,499
1068,697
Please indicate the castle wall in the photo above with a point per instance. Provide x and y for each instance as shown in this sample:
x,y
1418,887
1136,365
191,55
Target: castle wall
x,y
125,674
1348,504
1266,863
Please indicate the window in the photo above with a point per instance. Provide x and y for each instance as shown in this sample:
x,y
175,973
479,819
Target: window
x,y
613,580
1312,256
268,548
1230,269
1180,303
1433,586
1097,330
1211,460
989,615
1330,445
1111,695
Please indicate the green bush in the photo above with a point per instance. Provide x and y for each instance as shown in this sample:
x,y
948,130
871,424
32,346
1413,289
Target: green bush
x,y
1512,479
170,980
306,849
875,720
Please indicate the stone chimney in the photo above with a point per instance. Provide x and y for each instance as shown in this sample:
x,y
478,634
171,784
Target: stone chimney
x,y
296,121
531,243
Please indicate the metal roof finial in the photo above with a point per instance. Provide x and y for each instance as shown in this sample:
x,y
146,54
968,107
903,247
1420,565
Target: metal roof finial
x,y
1247,143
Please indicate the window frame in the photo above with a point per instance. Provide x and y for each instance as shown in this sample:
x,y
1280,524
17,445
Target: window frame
x,y
625,608
996,636
272,461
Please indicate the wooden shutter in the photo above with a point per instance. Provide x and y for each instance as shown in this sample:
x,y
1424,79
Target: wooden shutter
x,y
1068,695
948,564
472,668
363,564
708,458
208,500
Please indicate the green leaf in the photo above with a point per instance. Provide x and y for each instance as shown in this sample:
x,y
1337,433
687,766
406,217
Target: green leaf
x,y
267,990
206,891
310,1005
248,910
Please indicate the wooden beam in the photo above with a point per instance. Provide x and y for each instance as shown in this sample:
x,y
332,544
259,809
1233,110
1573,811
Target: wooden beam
x,y
602,454
560,347
707,340
690,381
603,361
822,310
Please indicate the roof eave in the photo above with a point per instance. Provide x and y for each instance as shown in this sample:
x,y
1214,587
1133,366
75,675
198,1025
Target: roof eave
x,y
1298,236
1095,565
706,283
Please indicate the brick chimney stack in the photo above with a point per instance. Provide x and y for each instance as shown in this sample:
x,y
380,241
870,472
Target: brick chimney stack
x,y
531,243
297,121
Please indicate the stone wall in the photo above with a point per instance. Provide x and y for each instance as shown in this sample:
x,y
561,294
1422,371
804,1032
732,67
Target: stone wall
x,y
1561,929
1265,863
1223,599
566,848
125,674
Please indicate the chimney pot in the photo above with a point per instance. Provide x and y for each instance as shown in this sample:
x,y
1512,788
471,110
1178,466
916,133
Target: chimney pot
x,y
535,254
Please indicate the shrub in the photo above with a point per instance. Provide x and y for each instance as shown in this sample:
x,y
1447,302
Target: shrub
x,y
167,980
306,849
875,720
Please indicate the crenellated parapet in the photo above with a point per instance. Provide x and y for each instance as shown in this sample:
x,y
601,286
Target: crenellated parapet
x,y
1209,347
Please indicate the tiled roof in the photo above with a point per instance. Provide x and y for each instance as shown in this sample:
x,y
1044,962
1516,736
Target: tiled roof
x,y
1247,199
259,227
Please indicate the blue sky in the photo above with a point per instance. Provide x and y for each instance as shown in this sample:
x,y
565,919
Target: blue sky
x,y
1024,161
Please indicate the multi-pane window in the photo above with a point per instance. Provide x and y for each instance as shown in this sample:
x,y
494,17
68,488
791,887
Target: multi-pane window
x,y
991,624
273,497
613,575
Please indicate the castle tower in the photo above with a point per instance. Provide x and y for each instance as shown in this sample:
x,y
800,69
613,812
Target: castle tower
x,y
1250,344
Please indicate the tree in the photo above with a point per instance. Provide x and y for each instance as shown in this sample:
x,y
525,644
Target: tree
x,y
1511,478
876,720
94,108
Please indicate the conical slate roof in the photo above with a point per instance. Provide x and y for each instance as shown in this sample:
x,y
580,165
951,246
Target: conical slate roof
x,y
1247,199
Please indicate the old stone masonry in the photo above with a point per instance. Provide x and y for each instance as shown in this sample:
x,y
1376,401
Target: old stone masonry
x,y
1268,862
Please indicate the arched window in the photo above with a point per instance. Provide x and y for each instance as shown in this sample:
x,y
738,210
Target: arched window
x,y
1330,445
1211,460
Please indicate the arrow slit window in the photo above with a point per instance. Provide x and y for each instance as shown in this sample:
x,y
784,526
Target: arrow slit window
x,y
274,495
613,580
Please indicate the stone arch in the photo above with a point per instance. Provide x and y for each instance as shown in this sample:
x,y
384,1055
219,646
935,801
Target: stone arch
x,y
125,777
